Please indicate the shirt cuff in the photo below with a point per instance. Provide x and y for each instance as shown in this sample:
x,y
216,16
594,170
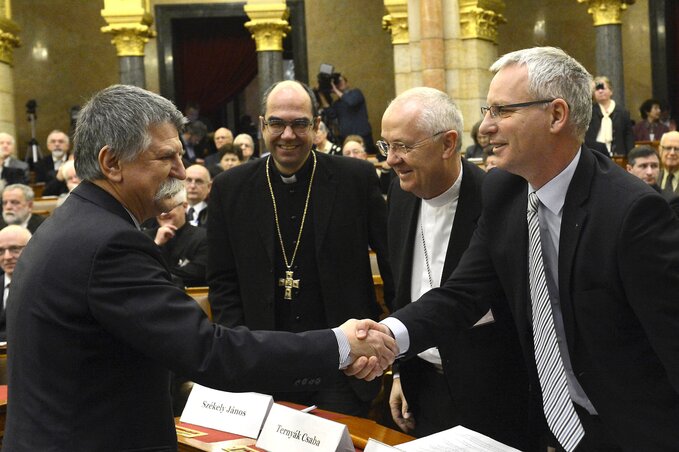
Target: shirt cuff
x,y
400,333
343,347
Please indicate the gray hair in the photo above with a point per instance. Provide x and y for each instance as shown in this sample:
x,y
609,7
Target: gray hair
x,y
552,73
11,137
438,111
309,91
119,117
29,194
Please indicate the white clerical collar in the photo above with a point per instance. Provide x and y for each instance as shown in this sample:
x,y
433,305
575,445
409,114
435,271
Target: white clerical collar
x,y
289,179
553,194
447,196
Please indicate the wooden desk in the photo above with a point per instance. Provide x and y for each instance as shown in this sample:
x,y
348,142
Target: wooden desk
x,y
360,430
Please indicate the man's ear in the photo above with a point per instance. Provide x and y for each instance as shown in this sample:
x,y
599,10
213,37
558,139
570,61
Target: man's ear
x,y
110,165
449,143
560,114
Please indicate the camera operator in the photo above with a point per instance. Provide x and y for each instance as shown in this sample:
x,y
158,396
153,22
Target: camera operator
x,y
349,109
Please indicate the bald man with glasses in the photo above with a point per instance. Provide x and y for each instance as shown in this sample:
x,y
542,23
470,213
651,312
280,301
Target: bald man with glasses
x,y
289,235
668,179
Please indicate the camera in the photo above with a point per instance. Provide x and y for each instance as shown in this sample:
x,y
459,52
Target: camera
x,y
326,76
599,86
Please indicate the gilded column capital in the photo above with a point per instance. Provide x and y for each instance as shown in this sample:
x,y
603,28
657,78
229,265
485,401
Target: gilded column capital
x,y
606,12
9,40
129,21
268,25
396,21
479,19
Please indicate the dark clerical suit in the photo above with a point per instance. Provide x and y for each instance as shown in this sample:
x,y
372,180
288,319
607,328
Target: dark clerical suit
x,y
483,365
618,274
346,214
95,323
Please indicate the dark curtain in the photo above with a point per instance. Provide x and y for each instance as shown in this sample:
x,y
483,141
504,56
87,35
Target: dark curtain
x,y
215,59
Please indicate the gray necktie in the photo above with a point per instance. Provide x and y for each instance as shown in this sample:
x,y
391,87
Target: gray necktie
x,y
189,214
561,417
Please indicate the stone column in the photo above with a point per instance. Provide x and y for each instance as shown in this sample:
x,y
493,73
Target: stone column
x,y
479,21
268,25
397,23
431,44
606,15
9,39
129,21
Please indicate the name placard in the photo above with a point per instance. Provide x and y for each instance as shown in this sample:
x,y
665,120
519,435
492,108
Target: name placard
x,y
289,430
233,412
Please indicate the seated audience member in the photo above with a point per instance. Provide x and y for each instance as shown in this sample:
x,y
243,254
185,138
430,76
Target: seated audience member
x,y
323,144
58,144
194,140
644,163
13,239
221,137
198,183
17,207
649,128
354,146
230,156
610,124
183,246
71,179
489,158
246,145
8,152
480,141
668,178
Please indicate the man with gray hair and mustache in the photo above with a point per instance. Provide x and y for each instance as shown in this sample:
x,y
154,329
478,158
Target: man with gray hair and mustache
x,y
96,323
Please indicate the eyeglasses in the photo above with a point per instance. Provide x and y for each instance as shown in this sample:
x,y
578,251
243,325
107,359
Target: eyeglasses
x,y
401,149
670,148
497,110
299,126
13,250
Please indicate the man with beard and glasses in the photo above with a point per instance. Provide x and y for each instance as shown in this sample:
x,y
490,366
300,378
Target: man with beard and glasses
x,y
95,322
17,207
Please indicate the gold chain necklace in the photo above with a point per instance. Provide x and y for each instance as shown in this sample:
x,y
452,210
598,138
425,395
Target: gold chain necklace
x,y
289,282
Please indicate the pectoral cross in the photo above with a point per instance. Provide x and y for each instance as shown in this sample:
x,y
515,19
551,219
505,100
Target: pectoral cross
x,y
289,284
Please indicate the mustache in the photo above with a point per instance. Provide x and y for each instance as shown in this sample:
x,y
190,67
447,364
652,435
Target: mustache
x,y
169,189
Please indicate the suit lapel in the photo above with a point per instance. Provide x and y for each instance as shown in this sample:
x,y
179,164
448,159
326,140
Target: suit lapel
x,y
572,224
410,208
262,210
323,194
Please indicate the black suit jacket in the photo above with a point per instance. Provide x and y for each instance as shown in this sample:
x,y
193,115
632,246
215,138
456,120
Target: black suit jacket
x,y
618,284
96,324
349,214
3,315
186,254
483,365
13,175
623,137
44,169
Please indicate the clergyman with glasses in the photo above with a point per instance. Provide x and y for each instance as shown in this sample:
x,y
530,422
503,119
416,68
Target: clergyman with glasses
x,y
13,240
289,237
668,179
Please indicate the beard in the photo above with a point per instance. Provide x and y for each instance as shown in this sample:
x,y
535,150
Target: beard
x,y
12,217
164,197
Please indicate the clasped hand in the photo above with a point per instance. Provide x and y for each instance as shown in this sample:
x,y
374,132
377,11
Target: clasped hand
x,y
373,349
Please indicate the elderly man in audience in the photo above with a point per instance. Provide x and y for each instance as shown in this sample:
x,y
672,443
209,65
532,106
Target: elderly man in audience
x,y
183,245
221,137
17,207
323,144
198,184
59,145
643,162
289,236
13,239
96,323
246,145
354,147
668,178
8,152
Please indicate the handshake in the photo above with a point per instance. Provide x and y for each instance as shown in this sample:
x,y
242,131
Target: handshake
x,y
373,348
